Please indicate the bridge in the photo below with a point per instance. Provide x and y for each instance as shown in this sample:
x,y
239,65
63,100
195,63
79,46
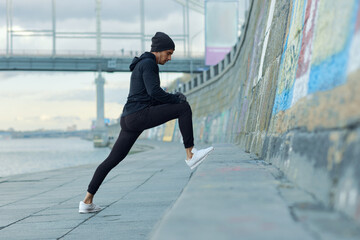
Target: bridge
x,y
98,61
55,59
92,63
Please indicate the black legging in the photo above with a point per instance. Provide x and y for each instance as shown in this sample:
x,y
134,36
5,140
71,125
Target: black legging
x,y
131,128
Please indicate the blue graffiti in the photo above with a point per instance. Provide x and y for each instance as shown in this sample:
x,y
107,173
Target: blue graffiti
x,y
324,76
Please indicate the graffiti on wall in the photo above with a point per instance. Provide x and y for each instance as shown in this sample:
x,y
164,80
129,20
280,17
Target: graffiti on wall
x,y
266,40
317,49
334,31
252,70
354,58
290,57
303,65
169,131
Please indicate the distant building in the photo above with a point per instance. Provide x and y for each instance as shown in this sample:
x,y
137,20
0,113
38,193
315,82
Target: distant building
x,y
5,135
71,128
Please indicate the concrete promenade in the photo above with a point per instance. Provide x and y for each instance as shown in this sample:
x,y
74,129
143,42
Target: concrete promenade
x,y
154,195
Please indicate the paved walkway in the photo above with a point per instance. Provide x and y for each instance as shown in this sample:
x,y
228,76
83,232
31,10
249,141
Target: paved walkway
x,y
153,195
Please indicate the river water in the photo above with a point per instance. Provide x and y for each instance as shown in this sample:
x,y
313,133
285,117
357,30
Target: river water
x,y
39,154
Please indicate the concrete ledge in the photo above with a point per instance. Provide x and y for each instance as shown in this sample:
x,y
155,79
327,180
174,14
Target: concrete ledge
x,y
232,195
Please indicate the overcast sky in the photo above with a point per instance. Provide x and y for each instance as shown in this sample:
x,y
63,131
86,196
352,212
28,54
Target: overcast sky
x,y
55,100
117,16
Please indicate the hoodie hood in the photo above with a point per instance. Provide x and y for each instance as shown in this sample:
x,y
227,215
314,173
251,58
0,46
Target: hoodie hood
x,y
136,60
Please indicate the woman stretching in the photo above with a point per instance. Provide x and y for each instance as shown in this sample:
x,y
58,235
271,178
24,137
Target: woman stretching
x,y
147,106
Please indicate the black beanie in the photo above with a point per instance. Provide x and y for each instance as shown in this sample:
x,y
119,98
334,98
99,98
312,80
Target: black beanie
x,y
161,42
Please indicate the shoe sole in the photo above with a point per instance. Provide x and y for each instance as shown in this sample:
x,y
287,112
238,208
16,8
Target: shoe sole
x,y
201,160
91,211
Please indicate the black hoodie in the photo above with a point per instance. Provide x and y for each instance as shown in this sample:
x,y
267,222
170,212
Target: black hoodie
x,y
145,87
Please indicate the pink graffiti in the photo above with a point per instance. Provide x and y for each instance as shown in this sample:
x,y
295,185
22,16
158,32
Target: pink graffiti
x,y
268,226
243,219
306,44
233,169
357,212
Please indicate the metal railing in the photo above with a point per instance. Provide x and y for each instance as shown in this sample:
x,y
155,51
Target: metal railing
x,y
88,53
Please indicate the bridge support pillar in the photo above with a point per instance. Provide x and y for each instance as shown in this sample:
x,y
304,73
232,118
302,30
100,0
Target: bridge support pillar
x,y
100,81
100,132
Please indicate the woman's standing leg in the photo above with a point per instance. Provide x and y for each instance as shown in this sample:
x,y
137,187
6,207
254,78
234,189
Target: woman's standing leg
x,y
119,151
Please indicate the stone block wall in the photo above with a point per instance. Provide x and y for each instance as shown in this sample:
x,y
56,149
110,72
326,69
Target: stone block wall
x,y
289,92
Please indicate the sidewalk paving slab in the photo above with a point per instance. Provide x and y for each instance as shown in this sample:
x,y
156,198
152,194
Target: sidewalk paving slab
x,y
154,195
135,196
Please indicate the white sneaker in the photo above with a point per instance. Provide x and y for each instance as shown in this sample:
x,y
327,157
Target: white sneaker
x,y
88,208
198,157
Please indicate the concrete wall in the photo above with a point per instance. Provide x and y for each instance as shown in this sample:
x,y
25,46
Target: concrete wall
x,y
290,92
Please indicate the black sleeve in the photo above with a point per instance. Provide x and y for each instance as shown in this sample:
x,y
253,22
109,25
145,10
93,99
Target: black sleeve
x,y
152,84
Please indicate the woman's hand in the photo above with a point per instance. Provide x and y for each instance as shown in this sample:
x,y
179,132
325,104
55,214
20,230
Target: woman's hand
x,y
181,97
